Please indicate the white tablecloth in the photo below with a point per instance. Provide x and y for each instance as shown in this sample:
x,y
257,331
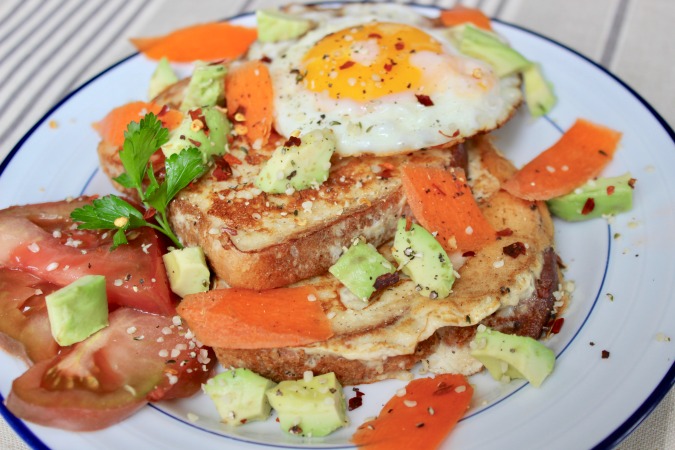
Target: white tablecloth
x,y
50,47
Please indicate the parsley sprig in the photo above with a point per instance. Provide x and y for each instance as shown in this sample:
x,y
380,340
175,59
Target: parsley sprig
x,y
141,141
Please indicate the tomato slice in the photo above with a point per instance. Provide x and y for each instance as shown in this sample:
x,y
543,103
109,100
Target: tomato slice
x,y
96,383
43,240
24,325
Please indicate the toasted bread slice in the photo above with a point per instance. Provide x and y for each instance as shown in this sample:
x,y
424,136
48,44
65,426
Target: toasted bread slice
x,y
385,337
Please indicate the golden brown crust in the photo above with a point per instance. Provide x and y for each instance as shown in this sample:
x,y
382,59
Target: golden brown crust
x,y
290,363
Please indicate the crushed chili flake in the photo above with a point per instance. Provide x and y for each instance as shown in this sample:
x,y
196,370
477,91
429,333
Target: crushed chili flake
x,y
505,232
347,65
164,110
231,159
196,114
149,213
605,354
388,67
357,401
399,46
293,141
385,280
223,170
610,190
266,59
631,183
375,35
469,253
195,143
557,325
425,100
386,174
515,250
408,223
443,388
589,206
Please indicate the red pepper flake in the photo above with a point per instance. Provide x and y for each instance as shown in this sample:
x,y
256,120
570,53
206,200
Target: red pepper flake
x,y
386,174
399,46
408,223
388,67
515,250
347,65
357,401
293,141
443,388
375,36
266,59
231,159
469,254
631,183
385,280
223,171
610,190
243,421
605,354
195,143
438,189
164,110
557,325
424,99
196,114
589,206
149,213
505,232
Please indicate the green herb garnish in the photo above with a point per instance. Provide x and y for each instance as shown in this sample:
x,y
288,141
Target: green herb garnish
x,y
141,141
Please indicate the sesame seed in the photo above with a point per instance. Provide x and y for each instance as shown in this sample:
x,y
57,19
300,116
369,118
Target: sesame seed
x,y
311,297
461,388
160,339
175,352
498,264
550,169
52,266
166,330
330,315
401,392
410,403
163,353
118,282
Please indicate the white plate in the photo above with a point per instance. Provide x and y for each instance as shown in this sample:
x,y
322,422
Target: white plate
x,y
587,402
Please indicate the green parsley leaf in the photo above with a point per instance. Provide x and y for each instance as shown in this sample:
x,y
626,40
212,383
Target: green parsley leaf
x,y
141,141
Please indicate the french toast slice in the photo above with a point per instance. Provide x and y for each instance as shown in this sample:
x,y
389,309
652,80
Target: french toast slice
x,y
398,327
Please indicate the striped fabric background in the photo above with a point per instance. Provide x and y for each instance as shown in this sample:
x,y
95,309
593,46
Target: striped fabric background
x,y
50,47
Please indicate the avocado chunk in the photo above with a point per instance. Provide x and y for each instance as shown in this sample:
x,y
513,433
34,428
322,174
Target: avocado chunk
x,y
313,406
78,310
187,270
359,267
302,162
595,199
275,26
161,78
204,128
511,356
488,47
539,95
240,396
423,259
206,87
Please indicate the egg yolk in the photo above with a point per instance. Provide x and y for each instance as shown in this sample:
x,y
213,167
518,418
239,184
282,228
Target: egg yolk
x,y
368,61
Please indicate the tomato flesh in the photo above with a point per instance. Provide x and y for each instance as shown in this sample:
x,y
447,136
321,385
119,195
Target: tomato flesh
x,y
42,240
96,383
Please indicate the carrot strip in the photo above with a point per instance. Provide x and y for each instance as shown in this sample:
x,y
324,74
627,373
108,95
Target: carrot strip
x,y
580,154
206,42
420,419
249,93
461,14
442,202
245,318
112,127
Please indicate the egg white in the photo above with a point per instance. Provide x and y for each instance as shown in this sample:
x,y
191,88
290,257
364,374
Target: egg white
x,y
394,123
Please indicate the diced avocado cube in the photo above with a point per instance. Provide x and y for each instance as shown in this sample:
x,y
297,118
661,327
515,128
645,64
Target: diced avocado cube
x,y
595,199
300,163
488,47
511,356
539,94
206,87
187,270
310,407
424,260
161,78
78,310
240,396
274,25
208,133
359,267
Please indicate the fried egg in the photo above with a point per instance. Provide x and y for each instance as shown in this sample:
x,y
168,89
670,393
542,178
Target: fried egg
x,y
385,80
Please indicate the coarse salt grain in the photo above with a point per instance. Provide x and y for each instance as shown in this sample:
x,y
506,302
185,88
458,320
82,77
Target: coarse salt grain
x,y
163,353
34,247
166,330
52,266
469,230
56,234
311,297
118,282
176,320
498,264
307,376
131,330
410,403
330,315
401,392
460,388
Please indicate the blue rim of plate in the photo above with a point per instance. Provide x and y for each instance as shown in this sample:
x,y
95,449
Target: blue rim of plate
x,y
614,438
